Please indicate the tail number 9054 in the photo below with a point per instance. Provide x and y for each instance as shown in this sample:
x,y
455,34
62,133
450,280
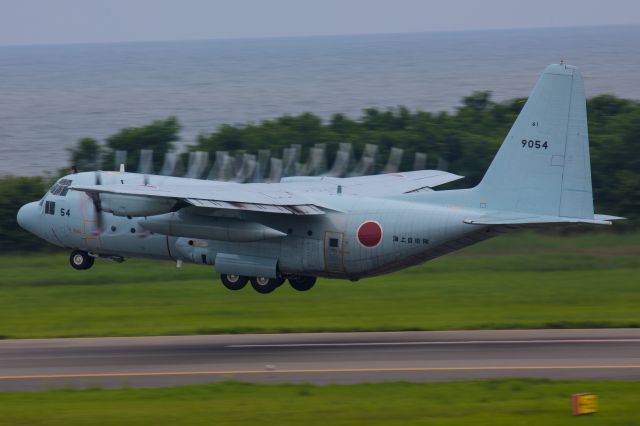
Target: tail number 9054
x,y
534,144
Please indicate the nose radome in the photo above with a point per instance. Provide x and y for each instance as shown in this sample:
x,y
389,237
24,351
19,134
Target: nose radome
x,y
28,216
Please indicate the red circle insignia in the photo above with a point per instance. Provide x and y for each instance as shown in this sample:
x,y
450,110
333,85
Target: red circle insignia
x,y
370,233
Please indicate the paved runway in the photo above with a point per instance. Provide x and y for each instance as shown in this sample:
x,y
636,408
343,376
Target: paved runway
x,y
319,358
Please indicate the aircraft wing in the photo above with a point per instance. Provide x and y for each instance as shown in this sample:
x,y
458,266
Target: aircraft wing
x,y
290,196
147,200
373,185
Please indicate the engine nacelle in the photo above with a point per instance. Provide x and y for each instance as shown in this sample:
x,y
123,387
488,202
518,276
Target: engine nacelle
x,y
209,228
133,205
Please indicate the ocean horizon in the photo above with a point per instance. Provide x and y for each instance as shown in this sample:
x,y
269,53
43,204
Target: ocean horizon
x,y
53,95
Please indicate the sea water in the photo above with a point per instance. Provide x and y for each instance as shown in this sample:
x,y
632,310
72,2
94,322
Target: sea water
x,y
50,96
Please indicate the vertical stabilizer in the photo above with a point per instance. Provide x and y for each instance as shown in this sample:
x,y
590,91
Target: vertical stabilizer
x,y
543,164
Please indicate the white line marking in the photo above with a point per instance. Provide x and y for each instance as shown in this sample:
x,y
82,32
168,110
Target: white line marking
x,y
439,343
326,370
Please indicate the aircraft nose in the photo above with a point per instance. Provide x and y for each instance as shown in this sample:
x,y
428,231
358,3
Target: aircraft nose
x,y
28,216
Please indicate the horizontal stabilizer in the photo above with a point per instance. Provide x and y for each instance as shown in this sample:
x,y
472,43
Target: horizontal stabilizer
x,y
512,218
607,217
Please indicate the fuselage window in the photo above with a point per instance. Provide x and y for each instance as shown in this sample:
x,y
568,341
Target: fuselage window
x,y
333,242
50,207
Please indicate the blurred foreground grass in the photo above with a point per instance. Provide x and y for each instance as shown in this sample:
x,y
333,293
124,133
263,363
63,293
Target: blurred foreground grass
x,y
523,280
495,402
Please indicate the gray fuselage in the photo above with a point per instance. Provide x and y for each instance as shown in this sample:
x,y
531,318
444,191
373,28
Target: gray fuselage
x,y
327,245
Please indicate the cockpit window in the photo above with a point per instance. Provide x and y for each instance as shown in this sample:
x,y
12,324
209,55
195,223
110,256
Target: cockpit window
x,y
61,187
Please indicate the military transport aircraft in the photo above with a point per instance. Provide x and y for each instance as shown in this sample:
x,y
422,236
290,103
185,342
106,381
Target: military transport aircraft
x,y
307,227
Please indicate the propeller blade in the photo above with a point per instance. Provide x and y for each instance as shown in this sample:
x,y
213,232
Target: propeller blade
x,y
97,208
97,204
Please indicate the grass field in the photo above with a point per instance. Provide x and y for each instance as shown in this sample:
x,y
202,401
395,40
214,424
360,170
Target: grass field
x,y
522,280
500,402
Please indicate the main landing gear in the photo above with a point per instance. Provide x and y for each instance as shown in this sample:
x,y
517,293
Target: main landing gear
x,y
80,260
266,285
234,282
302,283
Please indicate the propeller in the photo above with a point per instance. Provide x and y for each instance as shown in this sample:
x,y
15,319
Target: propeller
x,y
97,203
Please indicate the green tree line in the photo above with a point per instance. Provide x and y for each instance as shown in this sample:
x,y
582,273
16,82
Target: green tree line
x,y
467,139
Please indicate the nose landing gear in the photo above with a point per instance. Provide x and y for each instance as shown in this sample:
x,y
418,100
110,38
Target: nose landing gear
x,y
80,260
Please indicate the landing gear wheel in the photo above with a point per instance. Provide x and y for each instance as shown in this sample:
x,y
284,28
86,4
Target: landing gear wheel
x,y
80,260
234,282
265,285
302,283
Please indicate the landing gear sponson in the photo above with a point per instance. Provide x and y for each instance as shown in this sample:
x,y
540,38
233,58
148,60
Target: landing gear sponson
x,y
266,285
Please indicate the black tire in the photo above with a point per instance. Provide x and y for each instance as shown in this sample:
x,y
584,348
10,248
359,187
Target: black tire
x,y
302,283
234,282
80,260
264,285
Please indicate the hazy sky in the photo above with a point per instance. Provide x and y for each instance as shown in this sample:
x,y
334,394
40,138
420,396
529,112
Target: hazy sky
x,y
82,21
